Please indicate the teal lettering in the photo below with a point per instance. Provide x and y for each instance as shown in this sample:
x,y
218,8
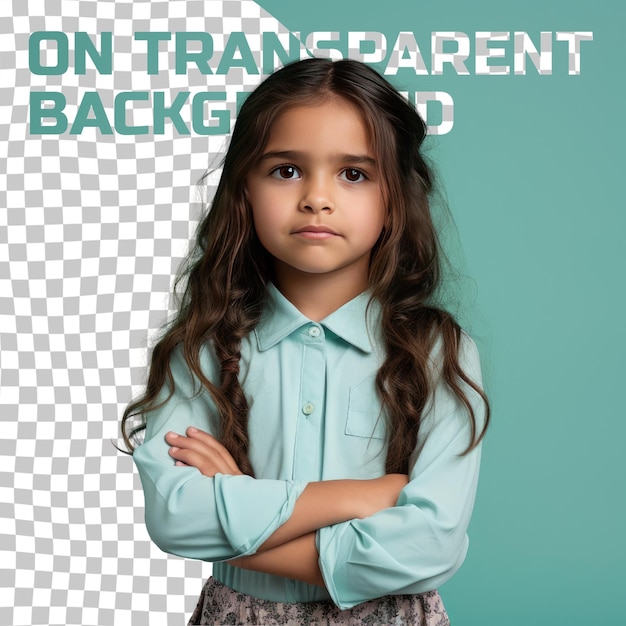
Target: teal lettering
x,y
83,46
91,103
120,113
237,42
197,114
173,112
272,48
242,96
153,47
201,58
34,53
38,113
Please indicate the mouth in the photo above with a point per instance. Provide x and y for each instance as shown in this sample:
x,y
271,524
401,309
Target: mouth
x,y
313,231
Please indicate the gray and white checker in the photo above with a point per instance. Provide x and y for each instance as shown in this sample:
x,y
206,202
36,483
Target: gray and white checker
x,y
92,229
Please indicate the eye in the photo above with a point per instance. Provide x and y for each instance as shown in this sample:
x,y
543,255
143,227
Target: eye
x,y
352,175
285,172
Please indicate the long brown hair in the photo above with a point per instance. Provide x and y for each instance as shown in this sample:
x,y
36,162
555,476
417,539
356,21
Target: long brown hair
x,y
226,274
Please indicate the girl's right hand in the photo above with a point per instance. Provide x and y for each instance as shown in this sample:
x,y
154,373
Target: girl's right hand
x,y
381,493
202,451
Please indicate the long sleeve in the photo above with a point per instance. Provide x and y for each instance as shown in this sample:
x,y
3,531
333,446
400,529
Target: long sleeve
x,y
417,545
189,514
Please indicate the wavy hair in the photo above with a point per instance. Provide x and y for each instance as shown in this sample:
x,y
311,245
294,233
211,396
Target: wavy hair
x,y
224,280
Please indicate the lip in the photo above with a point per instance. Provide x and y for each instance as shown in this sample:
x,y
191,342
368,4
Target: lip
x,y
315,232
314,229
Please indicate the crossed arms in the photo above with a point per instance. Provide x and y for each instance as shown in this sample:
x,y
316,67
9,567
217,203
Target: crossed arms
x,y
291,551
361,539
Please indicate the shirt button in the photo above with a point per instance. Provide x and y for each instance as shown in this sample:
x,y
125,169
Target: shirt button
x,y
308,408
314,331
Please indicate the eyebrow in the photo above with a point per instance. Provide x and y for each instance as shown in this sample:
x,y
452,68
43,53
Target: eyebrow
x,y
297,155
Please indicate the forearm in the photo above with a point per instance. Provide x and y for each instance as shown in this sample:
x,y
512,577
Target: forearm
x,y
333,501
297,559
320,504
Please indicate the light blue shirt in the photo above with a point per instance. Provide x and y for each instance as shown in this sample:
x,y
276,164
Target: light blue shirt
x,y
315,415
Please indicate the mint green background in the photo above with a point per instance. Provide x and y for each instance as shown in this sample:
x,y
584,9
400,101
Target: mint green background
x,y
534,175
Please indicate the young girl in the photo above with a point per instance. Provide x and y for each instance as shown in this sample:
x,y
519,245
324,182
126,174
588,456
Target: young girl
x,y
313,421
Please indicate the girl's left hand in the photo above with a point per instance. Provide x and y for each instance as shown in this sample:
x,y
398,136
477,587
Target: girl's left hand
x,y
202,451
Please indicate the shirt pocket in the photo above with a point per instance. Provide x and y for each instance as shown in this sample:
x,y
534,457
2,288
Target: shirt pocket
x,y
365,415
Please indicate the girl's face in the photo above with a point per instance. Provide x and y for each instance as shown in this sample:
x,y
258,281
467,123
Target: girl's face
x,y
316,193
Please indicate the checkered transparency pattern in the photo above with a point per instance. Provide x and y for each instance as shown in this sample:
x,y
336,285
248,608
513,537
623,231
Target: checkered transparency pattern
x,y
92,229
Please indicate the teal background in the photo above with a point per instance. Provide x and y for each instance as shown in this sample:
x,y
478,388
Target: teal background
x,y
534,175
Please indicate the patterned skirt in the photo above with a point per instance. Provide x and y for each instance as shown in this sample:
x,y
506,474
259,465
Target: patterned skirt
x,y
219,605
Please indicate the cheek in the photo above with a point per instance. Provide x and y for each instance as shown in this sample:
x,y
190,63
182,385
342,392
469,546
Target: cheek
x,y
375,232
270,207
258,206
267,224
377,217
265,216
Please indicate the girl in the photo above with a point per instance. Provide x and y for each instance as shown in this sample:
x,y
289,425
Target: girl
x,y
313,421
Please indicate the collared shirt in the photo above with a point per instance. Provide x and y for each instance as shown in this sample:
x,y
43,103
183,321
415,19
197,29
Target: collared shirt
x,y
315,415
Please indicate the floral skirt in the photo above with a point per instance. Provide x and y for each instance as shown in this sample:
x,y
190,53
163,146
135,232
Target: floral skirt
x,y
219,605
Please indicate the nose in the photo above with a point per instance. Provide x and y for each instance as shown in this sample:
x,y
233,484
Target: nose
x,y
317,195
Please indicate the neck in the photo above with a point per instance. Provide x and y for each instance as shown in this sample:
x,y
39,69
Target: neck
x,y
318,295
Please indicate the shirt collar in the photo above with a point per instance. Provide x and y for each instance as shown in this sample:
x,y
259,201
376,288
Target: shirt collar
x,y
349,322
